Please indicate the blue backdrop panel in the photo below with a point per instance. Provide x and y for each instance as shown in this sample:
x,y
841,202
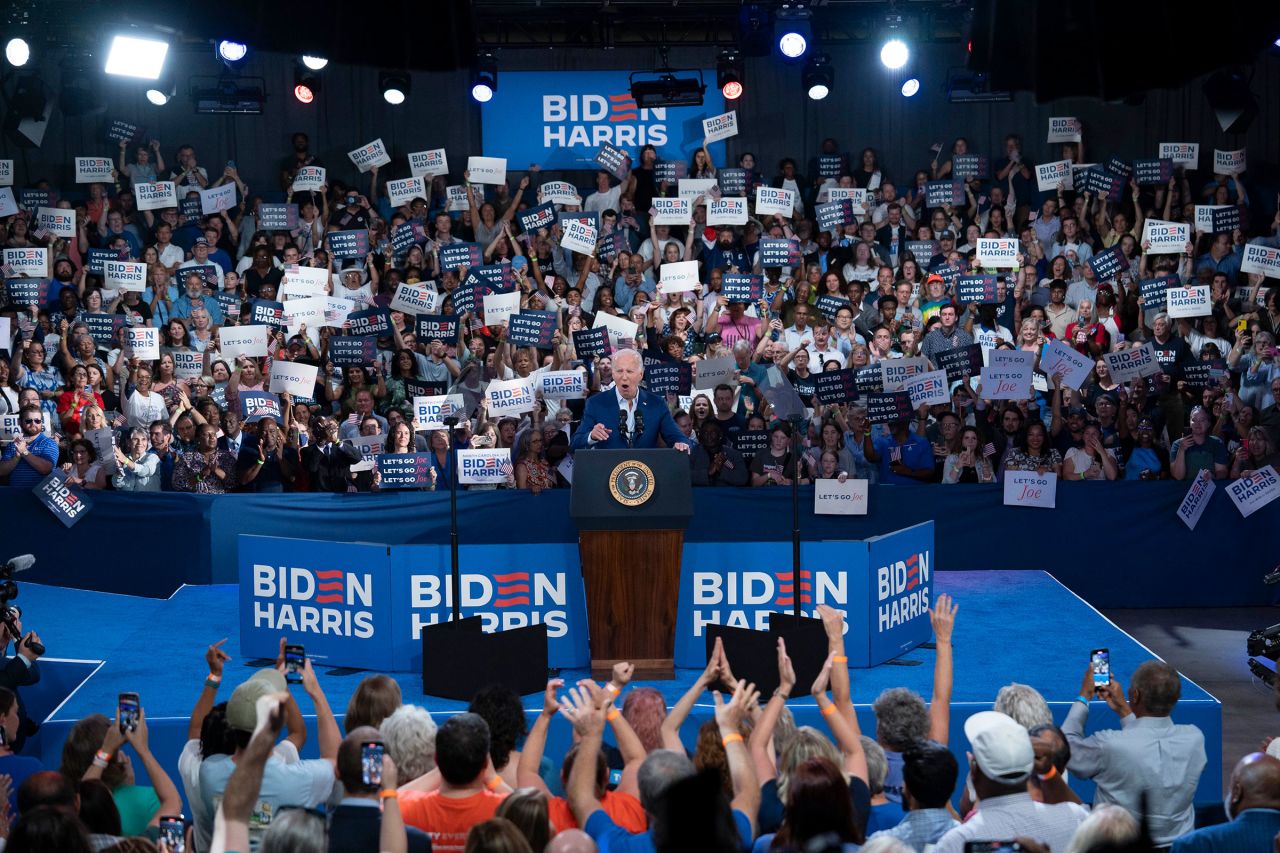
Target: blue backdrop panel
x,y
899,579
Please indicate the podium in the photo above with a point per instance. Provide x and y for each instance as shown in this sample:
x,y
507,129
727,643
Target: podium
x,y
631,508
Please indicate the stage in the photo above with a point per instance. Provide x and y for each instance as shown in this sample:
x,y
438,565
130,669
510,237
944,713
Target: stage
x,y
1020,626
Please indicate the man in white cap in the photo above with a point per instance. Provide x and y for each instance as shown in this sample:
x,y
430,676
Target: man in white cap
x,y
1001,760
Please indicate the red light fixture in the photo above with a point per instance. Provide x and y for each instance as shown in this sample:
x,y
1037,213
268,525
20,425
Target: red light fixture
x,y
729,75
303,93
732,90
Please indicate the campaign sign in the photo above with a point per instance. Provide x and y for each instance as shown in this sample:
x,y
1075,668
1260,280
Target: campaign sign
x,y
415,299
894,372
122,131
830,165
1127,365
8,206
367,156
1012,382
542,216
104,327
1107,265
1203,374
578,237
720,127
309,179
457,198
778,252
732,182
406,235
563,384
613,160
944,193
856,195
430,410
1223,219
92,170
1260,259
697,190
828,304
349,244
455,256
950,275
1181,153
1050,175
670,171
671,211
187,365
124,275
1060,358
961,362
404,471
1229,162
441,327
588,343
832,497
928,389
979,289
835,386
27,291
6,180
278,217
31,199
57,221
249,341
293,377
560,192
1251,494
997,252
190,207
1029,488
771,200
267,312
67,502
834,215
888,407
1165,237
216,199
32,262
922,250
730,210
1064,129
1153,291
499,306
1103,183
674,378
510,396
868,379
1150,173
1118,167
741,287
589,217
532,328
970,166
484,465
155,196
899,587
376,322
208,273
428,164
1192,301
255,405
678,277
1196,499
352,352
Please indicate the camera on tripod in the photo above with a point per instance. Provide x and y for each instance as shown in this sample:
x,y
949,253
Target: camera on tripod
x,y
1264,642
11,613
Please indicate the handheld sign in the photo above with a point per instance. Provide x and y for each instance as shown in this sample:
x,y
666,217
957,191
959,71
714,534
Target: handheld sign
x,y
976,289
404,471
376,322
563,384
405,190
255,405
429,412
1006,382
997,252
249,341
835,386
510,396
542,216
1261,259
293,377
970,166
961,362
103,329
670,171
67,502
348,244
6,180
1192,301
588,343
352,352
1165,237
480,467
778,252
124,275
895,372
579,237
94,170
889,407
1181,153
454,256
771,200
614,160
832,497
1229,162
155,196
928,389
732,182
943,193
487,170
834,215
309,179
1060,358
57,221
560,192
741,287
416,299
217,199
1029,488
1196,499
267,312
727,211
367,156
312,281
671,211
678,277
8,205
1153,291
187,365
1149,173
669,378
428,164
711,372
278,217
144,342
1050,175
500,306
1251,494
532,328
1127,365
1106,265
696,188
1064,129
30,262
720,127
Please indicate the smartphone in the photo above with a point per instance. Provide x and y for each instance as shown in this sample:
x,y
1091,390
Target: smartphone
x,y
992,847
173,832
294,658
129,710
1100,662
371,762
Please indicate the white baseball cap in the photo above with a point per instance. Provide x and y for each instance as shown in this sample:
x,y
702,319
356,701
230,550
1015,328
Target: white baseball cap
x,y
1001,747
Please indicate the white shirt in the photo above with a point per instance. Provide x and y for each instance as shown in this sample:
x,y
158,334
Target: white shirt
x,y
189,770
141,411
630,406
298,783
1014,816
599,202
793,337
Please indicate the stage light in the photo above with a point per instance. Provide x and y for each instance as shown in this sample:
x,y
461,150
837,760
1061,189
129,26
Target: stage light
x,y
17,52
232,51
729,75
894,54
484,79
793,30
303,93
394,86
162,92
315,63
818,76
135,56
910,87
306,84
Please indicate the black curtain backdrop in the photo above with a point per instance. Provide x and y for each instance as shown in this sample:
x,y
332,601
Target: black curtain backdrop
x,y
864,109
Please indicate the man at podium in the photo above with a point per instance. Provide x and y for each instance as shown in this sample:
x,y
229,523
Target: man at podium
x,y
627,416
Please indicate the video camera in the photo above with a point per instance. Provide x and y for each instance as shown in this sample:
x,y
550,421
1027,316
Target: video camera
x,y
10,613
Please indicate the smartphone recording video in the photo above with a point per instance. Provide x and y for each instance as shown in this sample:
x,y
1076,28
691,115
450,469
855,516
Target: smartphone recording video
x,y
173,832
1100,661
295,657
371,762
128,711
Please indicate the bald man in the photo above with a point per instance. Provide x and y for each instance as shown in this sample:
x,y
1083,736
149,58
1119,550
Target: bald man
x,y
1253,811
572,841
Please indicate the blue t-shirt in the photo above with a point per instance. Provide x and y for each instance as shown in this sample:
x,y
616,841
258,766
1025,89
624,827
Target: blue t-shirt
x,y
611,838
884,816
916,453
24,476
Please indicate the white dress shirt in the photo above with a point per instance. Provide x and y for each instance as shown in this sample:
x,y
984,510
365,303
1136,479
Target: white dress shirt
x,y
1017,816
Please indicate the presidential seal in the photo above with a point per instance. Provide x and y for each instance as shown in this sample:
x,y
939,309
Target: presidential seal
x,y
631,483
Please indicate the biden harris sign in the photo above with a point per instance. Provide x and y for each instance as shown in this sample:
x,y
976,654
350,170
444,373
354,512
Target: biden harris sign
x,y
559,120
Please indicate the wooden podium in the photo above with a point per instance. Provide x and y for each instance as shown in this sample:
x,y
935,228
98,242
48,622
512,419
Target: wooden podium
x,y
631,508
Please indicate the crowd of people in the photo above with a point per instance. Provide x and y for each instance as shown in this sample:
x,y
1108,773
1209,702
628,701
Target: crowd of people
x,y
877,288
393,778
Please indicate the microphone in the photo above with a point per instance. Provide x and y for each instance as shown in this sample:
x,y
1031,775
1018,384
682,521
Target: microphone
x,y
639,424
20,563
622,426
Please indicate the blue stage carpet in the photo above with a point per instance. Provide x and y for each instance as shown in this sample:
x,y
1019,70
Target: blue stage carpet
x,y
1012,626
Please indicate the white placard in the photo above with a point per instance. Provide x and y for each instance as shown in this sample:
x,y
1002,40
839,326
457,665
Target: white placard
x,y
1029,488
692,188
1006,382
144,342
336,310
1229,162
369,446
293,377
187,364
672,211
313,281
857,195
304,310
456,199
6,173
155,196
479,467
1204,216
578,236
1251,494
1060,358
720,127
416,299
31,262
1260,259
832,497
249,341
1049,175
1165,237
997,253
563,384
498,307
428,164
216,199
710,372
487,170
1181,153
124,275
367,156
561,192
429,412
928,388
730,210
895,373
1196,499
770,200
309,178
1188,301
6,334
8,204
1064,129
678,277
1130,364
510,396
622,332
57,221
405,190
1011,358
94,170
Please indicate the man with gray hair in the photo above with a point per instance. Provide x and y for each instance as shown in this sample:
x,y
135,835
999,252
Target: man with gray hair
x,y
1150,766
627,416
1025,704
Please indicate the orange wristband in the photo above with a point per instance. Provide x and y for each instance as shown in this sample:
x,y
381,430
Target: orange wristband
x,y
839,658
494,784
388,795
829,710
728,739
1053,771
613,714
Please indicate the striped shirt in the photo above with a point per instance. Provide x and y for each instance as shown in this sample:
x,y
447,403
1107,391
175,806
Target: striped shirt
x,y
920,828
1017,816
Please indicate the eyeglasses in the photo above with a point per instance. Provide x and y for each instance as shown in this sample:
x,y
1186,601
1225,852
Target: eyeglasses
x,y
32,420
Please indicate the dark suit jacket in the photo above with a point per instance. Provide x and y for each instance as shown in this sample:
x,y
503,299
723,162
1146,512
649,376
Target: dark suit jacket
x,y
885,236
354,829
14,673
330,471
603,409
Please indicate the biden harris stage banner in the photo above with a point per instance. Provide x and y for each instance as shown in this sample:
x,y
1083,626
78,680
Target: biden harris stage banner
x,y
560,119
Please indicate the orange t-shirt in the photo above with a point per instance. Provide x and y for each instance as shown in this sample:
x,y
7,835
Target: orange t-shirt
x,y
623,809
448,819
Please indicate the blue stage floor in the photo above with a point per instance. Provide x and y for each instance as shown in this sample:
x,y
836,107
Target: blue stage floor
x,y
1012,626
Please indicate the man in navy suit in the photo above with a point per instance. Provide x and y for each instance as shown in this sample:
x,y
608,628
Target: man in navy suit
x,y
626,415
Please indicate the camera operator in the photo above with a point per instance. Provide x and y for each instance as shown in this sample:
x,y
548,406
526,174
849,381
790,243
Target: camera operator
x,y
20,670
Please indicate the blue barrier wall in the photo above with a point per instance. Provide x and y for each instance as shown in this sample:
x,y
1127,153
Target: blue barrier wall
x,y
1115,544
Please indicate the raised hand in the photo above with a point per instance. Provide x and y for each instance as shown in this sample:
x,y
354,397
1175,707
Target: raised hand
x,y
942,616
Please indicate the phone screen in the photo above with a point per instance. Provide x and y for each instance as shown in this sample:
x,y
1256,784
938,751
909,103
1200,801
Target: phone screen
x,y
128,712
371,762
1100,661
173,832
294,658
992,847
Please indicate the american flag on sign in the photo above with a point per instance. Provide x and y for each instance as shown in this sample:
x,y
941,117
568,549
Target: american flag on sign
x,y
505,469
988,449
119,420
895,454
